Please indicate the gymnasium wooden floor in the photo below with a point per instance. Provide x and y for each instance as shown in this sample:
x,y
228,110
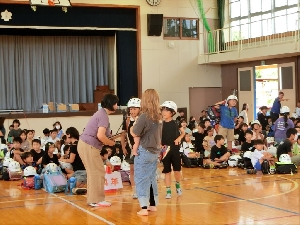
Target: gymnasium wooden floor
x,y
227,196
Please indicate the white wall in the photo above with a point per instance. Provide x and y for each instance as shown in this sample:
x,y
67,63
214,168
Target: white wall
x,y
172,71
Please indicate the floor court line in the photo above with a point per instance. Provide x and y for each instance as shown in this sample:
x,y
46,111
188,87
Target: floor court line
x,y
84,210
251,201
271,218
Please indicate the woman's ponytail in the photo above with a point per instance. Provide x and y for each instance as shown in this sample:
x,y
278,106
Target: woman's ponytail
x,y
285,120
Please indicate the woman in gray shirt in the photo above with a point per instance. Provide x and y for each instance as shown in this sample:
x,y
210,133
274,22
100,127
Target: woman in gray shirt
x,y
147,131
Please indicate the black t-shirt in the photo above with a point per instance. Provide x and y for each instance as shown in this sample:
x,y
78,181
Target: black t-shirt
x,y
46,159
77,164
284,148
170,132
242,136
263,120
127,128
217,152
12,152
36,156
199,141
248,146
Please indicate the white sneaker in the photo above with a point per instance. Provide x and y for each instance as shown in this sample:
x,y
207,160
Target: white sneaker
x,y
168,195
179,191
134,196
103,204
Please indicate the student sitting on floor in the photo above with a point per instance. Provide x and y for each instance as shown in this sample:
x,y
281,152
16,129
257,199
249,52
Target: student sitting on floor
x,y
199,136
242,133
208,141
285,147
296,152
219,154
104,155
188,148
28,160
48,156
248,145
37,153
25,145
17,151
259,155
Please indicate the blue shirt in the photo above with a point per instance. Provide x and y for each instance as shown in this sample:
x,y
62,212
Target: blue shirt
x,y
227,116
276,106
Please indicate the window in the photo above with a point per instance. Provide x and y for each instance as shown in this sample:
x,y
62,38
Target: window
x,y
181,28
255,18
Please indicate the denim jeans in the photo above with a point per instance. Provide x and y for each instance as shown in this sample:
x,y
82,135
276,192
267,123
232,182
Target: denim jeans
x,y
278,140
145,164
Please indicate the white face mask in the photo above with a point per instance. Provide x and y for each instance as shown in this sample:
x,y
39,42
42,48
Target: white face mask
x,y
57,127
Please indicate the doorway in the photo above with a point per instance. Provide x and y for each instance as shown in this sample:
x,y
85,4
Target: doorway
x,y
266,86
258,86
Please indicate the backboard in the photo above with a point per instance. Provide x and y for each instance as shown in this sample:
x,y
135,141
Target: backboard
x,y
60,3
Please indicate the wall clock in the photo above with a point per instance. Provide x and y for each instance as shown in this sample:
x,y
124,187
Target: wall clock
x,y
153,2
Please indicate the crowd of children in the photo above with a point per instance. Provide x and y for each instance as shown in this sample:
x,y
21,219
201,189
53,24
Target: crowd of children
x,y
204,142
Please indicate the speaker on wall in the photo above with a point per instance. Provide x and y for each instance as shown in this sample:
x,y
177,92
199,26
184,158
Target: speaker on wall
x,y
155,23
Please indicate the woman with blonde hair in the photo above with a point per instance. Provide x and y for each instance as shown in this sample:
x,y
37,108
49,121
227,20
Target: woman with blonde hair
x,y
147,135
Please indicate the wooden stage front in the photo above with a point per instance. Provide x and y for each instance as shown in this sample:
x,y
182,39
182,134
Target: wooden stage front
x,y
228,196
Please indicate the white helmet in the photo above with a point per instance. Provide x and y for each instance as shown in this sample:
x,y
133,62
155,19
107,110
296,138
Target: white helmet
x,y
285,158
294,115
125,166
14,166
65,165
255,122
115,161
232,97
134,102
232,162
7,161
170,105
51,167
235,157
248,154
29,171
284,109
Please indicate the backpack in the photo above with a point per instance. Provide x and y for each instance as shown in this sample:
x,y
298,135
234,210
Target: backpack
x,y
125,175
265,167
54,181
213,113
286,168
9,175
28,182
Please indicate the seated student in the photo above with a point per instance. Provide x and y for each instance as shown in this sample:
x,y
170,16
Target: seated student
x,y
242,133
219,153
296,152
63,143
208,141
199,136
79,171
66,152
46,138
28,160
285,147
256,129
25,145
207,124
109,151
118,151
48,156
238,123
259,155
188,148
37,153
104,156
248,145
17,151
15,131
184,126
